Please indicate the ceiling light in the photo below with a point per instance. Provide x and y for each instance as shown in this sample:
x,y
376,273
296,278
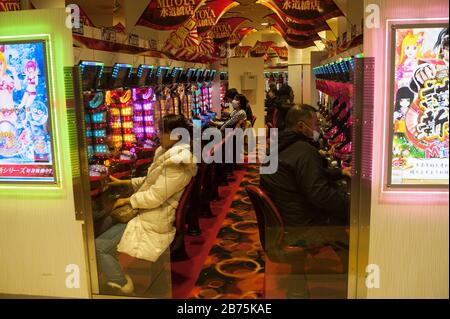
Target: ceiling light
x,y
265,23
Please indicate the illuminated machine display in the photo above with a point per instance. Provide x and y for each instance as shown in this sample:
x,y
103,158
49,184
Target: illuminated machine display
x,y
336,103
121,109
419,126
207,91
143,118
163,94
346,107
196,94
143,104
110,138
204,100
96,110
182,95
177,92
223,87
26,142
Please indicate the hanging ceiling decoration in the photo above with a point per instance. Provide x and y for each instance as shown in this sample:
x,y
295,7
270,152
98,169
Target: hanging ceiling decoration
x,y
223,30
298,42
237,36
168,14
200,25
210,13
296,28
304,11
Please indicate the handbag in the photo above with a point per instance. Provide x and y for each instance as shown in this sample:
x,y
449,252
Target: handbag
x,y
124,214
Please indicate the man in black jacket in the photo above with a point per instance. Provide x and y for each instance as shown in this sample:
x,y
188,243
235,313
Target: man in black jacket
x,y
302,188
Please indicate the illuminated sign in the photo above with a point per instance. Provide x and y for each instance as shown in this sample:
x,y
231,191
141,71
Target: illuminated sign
x,y
419,103
26,145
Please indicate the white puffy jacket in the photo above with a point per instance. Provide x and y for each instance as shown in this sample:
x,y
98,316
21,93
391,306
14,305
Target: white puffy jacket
x,y
157,197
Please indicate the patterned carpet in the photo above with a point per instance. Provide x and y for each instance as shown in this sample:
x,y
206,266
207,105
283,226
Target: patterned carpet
x,y
235,266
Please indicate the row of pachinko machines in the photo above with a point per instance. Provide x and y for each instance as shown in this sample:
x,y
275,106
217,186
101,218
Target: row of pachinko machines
x,y
122,108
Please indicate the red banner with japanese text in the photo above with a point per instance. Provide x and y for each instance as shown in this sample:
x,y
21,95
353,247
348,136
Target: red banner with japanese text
x,y
305,11
223,30
210,13
168,14
9,5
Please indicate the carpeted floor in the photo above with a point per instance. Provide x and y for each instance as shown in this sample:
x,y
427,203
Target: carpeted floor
x,y
234,268
185,273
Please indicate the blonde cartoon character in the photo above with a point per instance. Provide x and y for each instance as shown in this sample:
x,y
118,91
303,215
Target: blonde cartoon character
x,y
410,54
31,79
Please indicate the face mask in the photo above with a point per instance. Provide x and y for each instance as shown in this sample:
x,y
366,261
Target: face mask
x,y
316,134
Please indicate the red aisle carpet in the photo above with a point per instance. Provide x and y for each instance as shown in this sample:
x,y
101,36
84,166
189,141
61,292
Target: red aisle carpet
x,y
185,273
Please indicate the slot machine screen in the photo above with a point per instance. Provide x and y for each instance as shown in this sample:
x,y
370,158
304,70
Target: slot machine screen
x,y
151,78
174,74
206,75
167,79
190,74
143,74
212,75
183,75
199,75
91,73
121,74
161,73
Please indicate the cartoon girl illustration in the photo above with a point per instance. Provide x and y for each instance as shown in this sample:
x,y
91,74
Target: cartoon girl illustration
x,y
403,101
410,54
7,85
31,79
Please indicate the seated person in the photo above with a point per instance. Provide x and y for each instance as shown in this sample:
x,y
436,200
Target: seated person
x,y
239,103
228,101
155,198
308,199
230,95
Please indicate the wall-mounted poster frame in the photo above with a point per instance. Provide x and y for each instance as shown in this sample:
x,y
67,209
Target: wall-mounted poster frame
x,y
418,110
29,157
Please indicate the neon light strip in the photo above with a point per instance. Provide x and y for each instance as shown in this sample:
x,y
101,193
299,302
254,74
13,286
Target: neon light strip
x,y
384,190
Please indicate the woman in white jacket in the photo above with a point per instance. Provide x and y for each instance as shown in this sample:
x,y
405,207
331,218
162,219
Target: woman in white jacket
x,y
156,197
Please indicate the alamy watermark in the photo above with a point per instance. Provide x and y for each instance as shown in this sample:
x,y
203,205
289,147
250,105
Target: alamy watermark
x,y
73,20
73,277
232,150
373,276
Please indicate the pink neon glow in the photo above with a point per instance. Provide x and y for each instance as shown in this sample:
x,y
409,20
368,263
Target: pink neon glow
x,y
412,195
137,106
147,94
148,106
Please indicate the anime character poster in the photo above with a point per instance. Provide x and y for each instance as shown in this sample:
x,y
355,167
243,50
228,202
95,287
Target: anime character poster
x,y
25,132
420,106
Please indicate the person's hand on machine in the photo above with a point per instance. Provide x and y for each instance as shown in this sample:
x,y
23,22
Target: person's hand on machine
x,y
118,182
347,171
121,202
